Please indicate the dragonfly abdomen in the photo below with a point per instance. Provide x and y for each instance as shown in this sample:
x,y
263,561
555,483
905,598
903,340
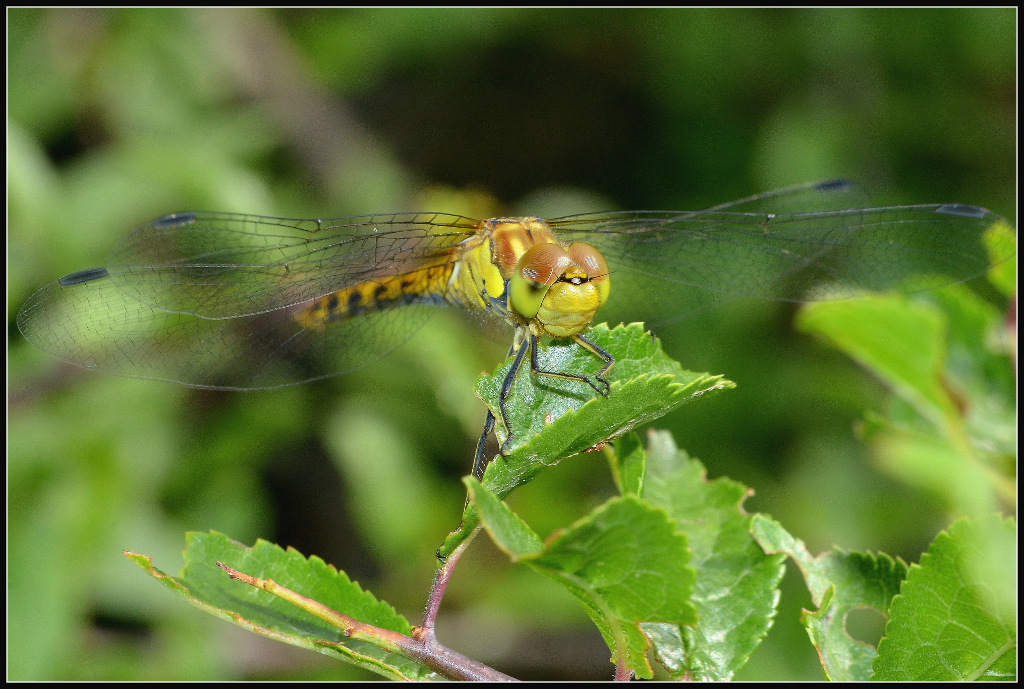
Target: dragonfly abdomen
x,y
424,286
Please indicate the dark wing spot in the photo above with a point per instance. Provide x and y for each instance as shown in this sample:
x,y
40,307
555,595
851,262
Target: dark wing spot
x,y
834,185
80,276
174,220
960,210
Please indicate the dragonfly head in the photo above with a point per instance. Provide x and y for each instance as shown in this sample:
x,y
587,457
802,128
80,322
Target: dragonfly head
x,y
559,290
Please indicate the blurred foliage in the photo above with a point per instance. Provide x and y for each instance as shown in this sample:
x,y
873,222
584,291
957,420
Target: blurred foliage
x,y
119,116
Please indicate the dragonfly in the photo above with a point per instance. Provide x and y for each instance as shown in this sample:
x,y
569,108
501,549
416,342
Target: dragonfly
x,y
242,302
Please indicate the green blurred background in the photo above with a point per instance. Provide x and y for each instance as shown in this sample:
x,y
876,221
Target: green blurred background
x,y
116,117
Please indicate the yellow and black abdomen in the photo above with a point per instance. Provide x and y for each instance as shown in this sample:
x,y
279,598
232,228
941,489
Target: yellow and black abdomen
x,y
424,286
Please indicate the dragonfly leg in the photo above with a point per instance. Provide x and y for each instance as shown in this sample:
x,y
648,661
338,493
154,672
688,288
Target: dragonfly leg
x,y
506,385
609,360
480,461
598,382
601,385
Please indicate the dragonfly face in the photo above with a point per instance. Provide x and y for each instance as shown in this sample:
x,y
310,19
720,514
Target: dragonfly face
x,y
234,301
558,290
524,275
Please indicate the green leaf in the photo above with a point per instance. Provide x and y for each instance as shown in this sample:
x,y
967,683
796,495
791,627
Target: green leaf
x,y
899,340
931,462
955,616
946,356
980,369
209,588
736,590
504,525
554,418
626,562
1001,240
839,581
628,464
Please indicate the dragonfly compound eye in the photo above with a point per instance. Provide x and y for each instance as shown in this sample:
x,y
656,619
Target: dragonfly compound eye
x,y
538,268
592,262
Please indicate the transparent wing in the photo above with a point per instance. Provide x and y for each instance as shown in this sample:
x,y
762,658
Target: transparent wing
x,y
683,262
210,299
95,325
221,265
830,195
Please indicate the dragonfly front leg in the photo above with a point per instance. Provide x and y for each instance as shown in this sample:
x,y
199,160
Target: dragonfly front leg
x,y
609,360
601,386
506,385
480,461
597,382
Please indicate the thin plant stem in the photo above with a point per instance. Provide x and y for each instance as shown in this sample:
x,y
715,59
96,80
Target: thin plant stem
x,y
420,646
